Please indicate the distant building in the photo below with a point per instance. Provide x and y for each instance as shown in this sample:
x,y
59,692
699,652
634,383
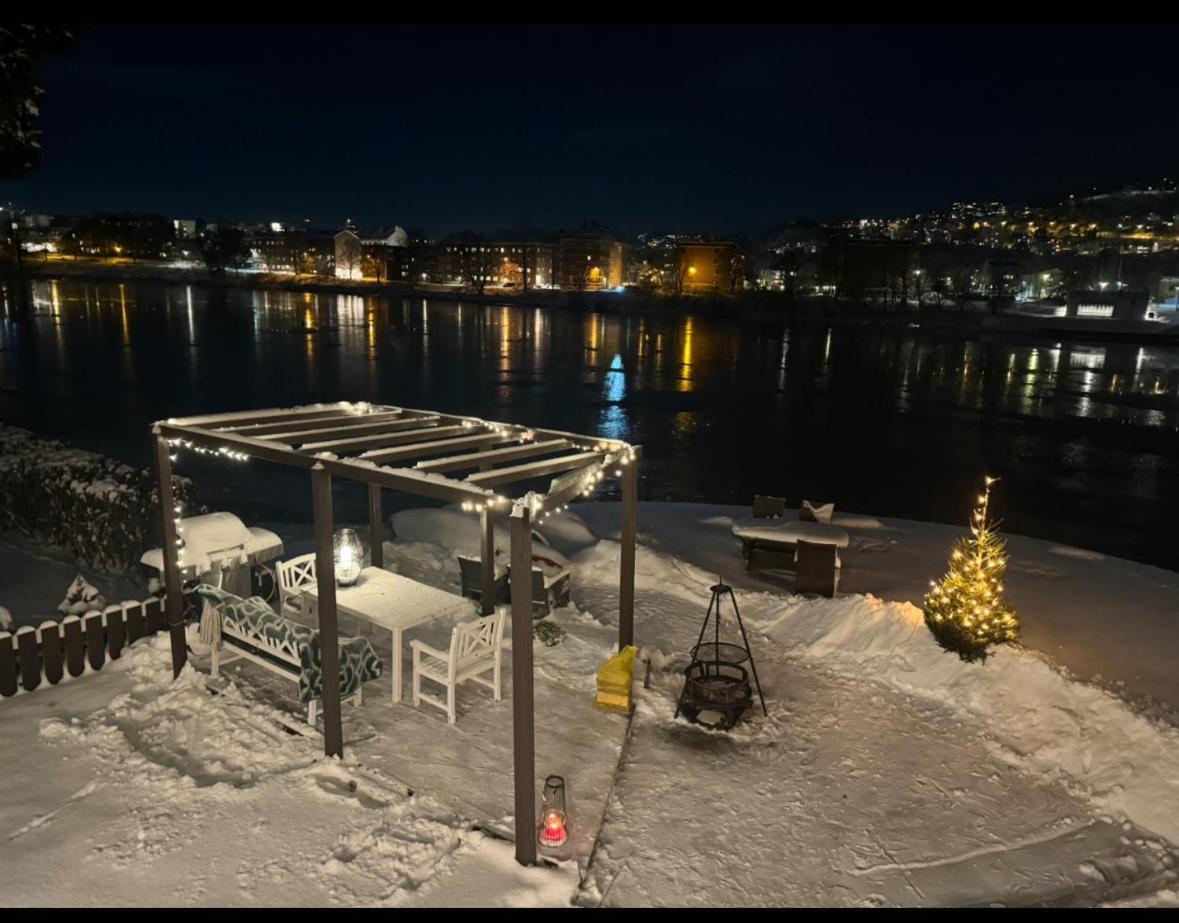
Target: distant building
x,y
1039,285
1121,304
590,260
710,266
384,254
999,278
186,228
883,269
294,250
507,259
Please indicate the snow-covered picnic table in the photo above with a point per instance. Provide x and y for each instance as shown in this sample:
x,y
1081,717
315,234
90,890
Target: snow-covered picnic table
x,y
790,532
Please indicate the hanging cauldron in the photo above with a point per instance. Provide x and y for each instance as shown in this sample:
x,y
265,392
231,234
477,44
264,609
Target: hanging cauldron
x,y
716,681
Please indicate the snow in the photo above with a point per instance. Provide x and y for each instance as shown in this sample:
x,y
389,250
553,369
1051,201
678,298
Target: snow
x,y
218,540
168,794
886,773
32,580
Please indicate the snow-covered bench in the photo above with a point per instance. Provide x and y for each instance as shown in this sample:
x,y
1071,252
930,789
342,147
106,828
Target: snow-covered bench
x,y
285,647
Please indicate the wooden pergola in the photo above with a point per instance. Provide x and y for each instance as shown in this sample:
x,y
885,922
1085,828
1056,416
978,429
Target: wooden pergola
x,y
446,457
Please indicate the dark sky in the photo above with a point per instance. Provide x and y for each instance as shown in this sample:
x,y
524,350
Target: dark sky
x,y
691,128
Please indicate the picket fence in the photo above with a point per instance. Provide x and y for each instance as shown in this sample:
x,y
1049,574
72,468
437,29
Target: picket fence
x,y
48,653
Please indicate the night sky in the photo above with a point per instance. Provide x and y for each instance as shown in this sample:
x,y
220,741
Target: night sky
x,y
663,128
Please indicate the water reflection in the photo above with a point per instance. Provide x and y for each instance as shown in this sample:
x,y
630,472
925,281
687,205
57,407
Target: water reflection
x,y
881,419
613,424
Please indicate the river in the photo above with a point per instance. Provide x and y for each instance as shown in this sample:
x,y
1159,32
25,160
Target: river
x,y
884,420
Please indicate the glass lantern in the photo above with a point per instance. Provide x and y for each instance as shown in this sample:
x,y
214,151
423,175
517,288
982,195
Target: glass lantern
x,y
348,556
553,819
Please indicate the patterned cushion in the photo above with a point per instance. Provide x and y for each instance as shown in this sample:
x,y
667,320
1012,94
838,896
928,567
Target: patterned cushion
x,y
359,663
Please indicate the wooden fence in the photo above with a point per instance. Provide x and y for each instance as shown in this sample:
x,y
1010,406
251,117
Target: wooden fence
x,y
57,648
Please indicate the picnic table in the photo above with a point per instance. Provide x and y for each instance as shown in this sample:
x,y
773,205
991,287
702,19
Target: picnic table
x,y
777,540
392,602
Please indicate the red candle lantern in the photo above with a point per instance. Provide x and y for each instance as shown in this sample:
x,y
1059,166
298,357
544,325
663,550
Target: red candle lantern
x,y
553,820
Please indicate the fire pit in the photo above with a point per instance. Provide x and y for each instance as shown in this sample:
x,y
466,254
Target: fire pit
x,y
715,682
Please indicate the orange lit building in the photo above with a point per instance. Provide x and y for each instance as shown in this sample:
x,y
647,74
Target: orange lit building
x,y
710,266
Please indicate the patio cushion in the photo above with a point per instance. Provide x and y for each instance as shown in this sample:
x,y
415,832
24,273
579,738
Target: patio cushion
x,y
252,617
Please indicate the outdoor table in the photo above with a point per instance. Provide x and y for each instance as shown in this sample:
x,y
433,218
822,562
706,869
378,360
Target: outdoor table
x,y
790,532
777,541
392,602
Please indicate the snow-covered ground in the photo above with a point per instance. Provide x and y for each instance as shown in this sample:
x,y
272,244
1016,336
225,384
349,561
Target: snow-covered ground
x,y
887,772
33,581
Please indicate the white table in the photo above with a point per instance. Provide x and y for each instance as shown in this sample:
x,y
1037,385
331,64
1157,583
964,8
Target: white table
x,y
392,602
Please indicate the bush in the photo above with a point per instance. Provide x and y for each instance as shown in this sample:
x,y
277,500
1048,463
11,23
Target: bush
x,y
550,633
102,511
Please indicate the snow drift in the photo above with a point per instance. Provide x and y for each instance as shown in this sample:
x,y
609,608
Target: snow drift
x,y
1038,718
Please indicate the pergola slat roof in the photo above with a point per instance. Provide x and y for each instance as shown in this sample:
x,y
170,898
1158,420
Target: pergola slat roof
x,y
416,451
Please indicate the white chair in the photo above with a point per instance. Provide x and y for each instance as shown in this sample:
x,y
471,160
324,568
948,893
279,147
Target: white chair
x,y
475,648
294,576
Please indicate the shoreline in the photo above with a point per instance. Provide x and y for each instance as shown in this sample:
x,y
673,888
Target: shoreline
x,y
747,307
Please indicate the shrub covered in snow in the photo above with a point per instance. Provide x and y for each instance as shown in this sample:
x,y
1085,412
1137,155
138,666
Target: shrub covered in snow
x,y
102,511
549,633
81,598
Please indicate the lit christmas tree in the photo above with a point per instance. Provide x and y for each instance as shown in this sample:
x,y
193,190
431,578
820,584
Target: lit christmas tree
x,y
966,611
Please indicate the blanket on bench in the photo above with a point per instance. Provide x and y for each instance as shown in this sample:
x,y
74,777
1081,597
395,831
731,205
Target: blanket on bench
x,y
253,618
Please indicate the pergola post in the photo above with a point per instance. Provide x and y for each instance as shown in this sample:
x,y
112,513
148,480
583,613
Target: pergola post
x,y
173,600
325,592
626,575
487,562
523,731
376,528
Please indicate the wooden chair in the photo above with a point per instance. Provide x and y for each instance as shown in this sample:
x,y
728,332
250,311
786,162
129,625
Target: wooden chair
x,y
812,512
817,570
471,580
294,576
765,507
475,648
547,592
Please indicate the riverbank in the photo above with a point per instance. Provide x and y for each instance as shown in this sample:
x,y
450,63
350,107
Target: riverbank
x,y
752,307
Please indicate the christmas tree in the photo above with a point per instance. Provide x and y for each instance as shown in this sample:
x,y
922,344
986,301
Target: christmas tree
x,y
966,611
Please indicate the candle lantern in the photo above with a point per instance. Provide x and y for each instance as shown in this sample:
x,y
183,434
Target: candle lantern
x,y
553,819
348,556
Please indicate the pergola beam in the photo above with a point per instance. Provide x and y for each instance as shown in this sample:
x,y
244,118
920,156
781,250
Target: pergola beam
x,y
334,428
479,459
281,426
365,443
409,481
329,650
626,567
173,588
436,447
498,476
523,713
209,439
274,415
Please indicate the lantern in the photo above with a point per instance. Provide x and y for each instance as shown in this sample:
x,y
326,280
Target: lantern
x,y
553,831
348,556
